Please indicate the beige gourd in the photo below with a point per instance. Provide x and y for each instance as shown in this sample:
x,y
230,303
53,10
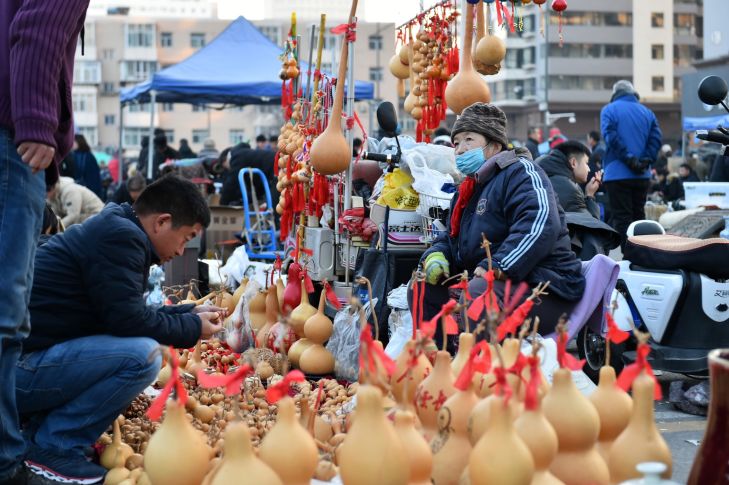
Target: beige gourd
x,y
316,359
467,87
438,385
271,316
330,153
240,466
280,289
176,453
465,344
451,447
195,364
577,425
404,384
398,68
417,451
500,456
371,452
118,473
257,310
640,441
302,312
288,448
164,374
238,293
116,449
614,407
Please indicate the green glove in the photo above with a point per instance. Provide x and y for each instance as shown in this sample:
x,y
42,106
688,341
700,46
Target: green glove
x,y
436,267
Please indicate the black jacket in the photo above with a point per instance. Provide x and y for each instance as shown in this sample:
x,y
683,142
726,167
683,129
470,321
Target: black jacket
x,y
243,158
514,205
533,146
720,169
569,193
90,280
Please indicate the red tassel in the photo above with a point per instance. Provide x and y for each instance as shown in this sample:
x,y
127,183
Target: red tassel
x,y
370,354
531,396
281,389
565,359
231,382
511,324
155,409
479,360
331,296
630,372
614,334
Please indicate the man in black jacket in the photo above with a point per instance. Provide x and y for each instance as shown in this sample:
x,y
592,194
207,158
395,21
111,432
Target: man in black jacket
x,y
92,346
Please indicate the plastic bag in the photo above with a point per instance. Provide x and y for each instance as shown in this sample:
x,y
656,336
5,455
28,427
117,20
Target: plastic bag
x,y
433,158
549,364
238,333
398,192
156,298
240,266
400,322
344,342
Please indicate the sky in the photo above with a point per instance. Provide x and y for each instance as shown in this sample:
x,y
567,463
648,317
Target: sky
x,y
397,11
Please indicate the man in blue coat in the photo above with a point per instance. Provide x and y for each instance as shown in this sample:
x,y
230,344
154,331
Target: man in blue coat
x,y
632,139
93,343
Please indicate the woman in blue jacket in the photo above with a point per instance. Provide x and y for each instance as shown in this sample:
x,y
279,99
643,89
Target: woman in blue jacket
x,y
86,170
509,200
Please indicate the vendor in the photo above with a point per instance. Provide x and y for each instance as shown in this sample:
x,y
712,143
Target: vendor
x,y
509,200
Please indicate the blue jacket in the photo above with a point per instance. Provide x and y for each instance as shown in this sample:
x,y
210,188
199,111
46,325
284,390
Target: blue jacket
x,y
87,172
629,129
514,206
90,280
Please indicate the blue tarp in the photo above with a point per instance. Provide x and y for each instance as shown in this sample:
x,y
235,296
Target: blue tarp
x,y
693,123
240,66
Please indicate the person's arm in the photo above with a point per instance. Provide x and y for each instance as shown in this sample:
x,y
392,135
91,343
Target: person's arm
x,y
610,135
72,202
653,143
534,225
114,279
39,35
592,207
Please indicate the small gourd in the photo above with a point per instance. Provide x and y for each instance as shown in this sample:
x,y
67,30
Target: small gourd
x,y
302,312
257,310
240,466
316,359
115,449
432,392
614,407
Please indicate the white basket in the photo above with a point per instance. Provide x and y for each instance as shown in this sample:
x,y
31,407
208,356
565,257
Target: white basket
x,y
430,208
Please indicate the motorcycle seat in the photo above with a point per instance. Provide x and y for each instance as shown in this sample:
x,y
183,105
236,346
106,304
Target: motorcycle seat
x,y
664,251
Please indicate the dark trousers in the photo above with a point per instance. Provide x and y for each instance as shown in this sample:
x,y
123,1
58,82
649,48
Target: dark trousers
x,y
627,204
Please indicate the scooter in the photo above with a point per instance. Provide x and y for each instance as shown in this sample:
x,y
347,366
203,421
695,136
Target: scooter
x,y
676,289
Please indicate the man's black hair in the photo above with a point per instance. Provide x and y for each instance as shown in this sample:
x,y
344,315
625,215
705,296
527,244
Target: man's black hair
x,y
136,183
175,196
50,221
595,135
440,131
572,148
532,129
687,167
261,139
273,139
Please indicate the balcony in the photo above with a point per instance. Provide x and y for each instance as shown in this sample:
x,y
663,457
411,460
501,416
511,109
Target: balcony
x,y
137,71
87,72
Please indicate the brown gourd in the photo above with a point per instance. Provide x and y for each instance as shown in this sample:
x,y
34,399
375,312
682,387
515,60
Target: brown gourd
x,y
465,344
195,364
302,312
257,310
316,359
467,87
433,391
614,407
240,466
117,449
398,68
271,316
416,448
330,153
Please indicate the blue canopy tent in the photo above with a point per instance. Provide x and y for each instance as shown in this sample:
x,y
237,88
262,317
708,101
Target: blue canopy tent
x,y
240,66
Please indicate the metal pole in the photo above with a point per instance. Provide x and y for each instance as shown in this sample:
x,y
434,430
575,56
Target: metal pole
x,y
312,39
297,81
350,140
545,12
150,146
120,151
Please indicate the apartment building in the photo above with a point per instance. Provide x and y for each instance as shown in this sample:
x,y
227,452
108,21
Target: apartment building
x,y
652,43
122,49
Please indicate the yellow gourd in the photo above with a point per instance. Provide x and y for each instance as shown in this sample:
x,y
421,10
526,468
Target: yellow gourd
x,y
240,466
416,449
432,393
465,344
115,449
302,312
451,447
614,407
405,383
257,310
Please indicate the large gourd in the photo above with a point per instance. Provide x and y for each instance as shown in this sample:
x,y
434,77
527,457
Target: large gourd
x,y
640,441
316,359
302,312
271,316
240,466
371,452
405,383
288,448
176,453
257,310
433,392
415,447
330,153
614,407
467,87
500,456
577,425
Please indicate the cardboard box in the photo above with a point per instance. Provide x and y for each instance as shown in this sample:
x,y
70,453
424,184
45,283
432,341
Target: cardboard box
x,y
706,193
400,220
225,222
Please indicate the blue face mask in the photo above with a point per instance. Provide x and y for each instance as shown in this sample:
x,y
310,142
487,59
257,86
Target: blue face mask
x,y
470,161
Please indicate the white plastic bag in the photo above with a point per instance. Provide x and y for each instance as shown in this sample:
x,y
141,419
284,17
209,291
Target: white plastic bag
x,y
400,322
549,364
238,331
240,266
344,342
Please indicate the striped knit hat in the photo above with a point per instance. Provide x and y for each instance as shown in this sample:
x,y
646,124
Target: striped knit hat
x,y
485,119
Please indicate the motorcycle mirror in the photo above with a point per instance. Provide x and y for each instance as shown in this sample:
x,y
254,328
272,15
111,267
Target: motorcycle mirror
x,y
713,90
387,118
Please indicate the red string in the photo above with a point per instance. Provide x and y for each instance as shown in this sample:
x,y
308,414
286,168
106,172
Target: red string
x,y
511,323
451,326
350,31
155,409
416,299
281,389
630,372
231,382
531,396
614,334
479,360
331,296
370,354
565,359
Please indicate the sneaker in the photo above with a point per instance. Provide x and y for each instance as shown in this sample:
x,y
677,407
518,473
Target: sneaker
x,y
47,467
20,478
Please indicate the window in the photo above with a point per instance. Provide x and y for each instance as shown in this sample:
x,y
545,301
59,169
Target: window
x,y
199,108
87,72
375,74
109,120
375,42
273,32
107,54
595,19
657,20
199,136
583,82
266,109
132,137
84,102
620,51
167,107
657,51
108,87
529,24
140,35
236,136
197,40
165,39
684,24
137,70
170,134
139,108
657,83
89,35
90,133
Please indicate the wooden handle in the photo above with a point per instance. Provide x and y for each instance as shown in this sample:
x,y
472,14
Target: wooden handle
x,y
467,38
339,97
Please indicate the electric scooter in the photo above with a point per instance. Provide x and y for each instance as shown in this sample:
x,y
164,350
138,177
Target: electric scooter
x,y
674,288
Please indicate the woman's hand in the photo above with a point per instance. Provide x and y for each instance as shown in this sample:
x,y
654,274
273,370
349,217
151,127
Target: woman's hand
x,y
479,272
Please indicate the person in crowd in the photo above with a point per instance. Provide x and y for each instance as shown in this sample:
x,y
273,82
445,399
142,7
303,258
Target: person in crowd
x,y
67,167
597,151
72,202
89,313
209,150
534,136
687,173
442,136
242,156
143,155
509,200
356,146
37,51
185,151
162,153
86,168
568,169
662,159
114,168
129,191
667,186
632,139
262,143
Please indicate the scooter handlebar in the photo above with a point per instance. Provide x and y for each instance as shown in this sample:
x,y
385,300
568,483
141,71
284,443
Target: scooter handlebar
x,y
715,136
381,157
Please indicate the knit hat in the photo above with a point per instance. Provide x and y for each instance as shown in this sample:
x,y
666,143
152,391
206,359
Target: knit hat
x,y
485,119
623,85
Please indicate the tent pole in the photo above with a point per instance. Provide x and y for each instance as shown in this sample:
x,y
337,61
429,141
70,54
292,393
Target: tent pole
x,y
120,151
350,141
150,146
312,39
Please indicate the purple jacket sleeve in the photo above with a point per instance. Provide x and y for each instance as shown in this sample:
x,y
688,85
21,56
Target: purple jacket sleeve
x,y
39,38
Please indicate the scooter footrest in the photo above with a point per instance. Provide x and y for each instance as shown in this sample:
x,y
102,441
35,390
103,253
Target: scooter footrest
x,y
670,359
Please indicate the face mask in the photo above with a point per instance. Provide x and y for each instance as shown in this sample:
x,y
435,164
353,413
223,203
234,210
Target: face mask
x,y
470,161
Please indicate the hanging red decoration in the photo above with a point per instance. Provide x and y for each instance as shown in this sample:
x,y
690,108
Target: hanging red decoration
x,y
560,6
